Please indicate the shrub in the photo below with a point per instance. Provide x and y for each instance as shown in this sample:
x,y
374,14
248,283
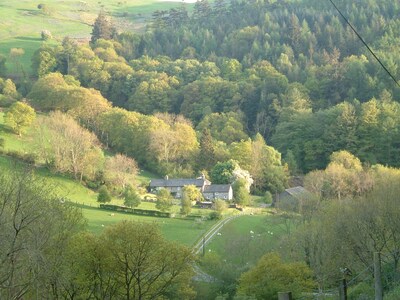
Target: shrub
x,y
393,294
215,215
46,35
361,291
267,198
104,195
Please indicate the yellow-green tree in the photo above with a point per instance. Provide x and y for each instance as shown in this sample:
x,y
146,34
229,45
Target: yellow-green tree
x,y
190,193
271,275
129,260
164,200
19,117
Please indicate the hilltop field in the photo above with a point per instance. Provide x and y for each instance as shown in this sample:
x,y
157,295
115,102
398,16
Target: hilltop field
x,y
23,21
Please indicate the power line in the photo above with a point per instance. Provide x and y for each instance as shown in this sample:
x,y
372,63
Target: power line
x,y
365,44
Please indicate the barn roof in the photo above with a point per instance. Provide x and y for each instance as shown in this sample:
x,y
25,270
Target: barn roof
x,y
297,191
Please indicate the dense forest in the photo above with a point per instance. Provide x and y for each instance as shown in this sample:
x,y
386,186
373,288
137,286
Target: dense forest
x,y
271,89
289,70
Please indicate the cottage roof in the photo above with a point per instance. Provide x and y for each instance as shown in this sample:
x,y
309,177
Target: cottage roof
x,y
178,182
217,188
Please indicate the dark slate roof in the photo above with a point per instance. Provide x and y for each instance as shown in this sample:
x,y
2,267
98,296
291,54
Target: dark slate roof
x,y
297,191
217,188
176,182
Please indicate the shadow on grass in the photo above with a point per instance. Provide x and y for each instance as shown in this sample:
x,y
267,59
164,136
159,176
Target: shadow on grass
x,y
28,38
34,11
5,129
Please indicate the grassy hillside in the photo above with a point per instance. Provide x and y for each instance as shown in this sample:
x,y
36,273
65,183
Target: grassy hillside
x,y
21,22
183,231
252,234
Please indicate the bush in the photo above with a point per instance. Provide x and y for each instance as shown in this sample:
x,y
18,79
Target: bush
x,y
267,198
46,35
393,294
361,291
215,216
104,195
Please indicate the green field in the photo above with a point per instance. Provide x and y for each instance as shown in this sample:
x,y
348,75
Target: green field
x,y
248,237
21,22
184,231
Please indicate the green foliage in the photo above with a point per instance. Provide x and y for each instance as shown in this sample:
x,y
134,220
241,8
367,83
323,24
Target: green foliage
x,y
186,206
220,207
3,68
46,35
215,216
35,220
19,117
271,275
164,200
267,198
104,195
362,290
57,92
241,193
131,197
44,60
225,127
190,194
102,28
207,157
118,255
222,172
393,294
290,159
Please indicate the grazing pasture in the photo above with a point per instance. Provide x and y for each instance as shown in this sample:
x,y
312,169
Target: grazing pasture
x,y
22,21
245,239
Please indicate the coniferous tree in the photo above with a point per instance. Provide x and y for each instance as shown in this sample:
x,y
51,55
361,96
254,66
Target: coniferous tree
x,y
206,158
102,28
104,195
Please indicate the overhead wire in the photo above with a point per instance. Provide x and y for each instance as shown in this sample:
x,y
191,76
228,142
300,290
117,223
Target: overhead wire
x,y
365,44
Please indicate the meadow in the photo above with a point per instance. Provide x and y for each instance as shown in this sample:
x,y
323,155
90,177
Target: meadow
x,y
22,22
175,229
246,238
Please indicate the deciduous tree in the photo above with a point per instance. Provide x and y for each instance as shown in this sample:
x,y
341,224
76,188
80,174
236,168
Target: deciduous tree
x,y
120,171
19,117
271,275
164,200
190,194
131,197
104,195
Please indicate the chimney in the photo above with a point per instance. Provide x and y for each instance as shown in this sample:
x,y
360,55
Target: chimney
x,y
166,177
